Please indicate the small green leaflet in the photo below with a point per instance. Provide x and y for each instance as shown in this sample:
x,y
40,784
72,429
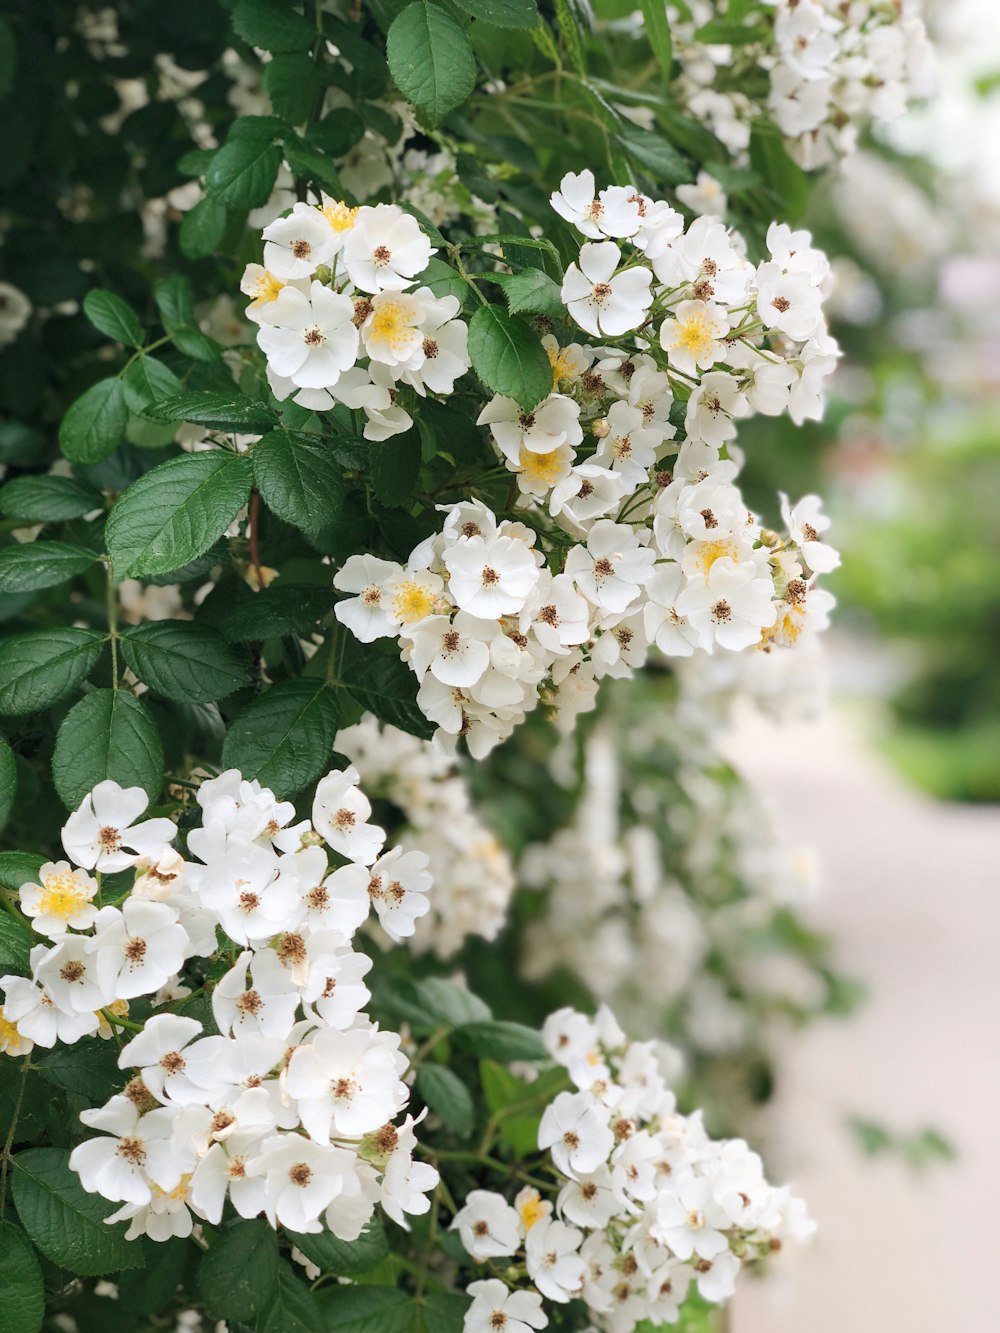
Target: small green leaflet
x,y
184,661
173,513
238,1270
22,1295
272,26
503,13
430,59
41,668
508,356
33,565
530,292
657,25
94,425
203,228
284,737
108,734
217,411
48,499
111,316
243,172
299,479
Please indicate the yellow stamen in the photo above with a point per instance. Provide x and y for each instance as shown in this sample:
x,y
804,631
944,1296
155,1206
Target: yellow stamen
x,y
63,895
339,215
412,602
546,468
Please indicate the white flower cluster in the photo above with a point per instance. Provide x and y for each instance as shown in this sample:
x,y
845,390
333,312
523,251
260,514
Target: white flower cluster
x,y
336,320
472,872
287,1109
832,66
663,867
642,553
646,1206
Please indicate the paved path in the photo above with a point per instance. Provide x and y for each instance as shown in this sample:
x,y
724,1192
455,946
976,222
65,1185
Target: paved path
x,y
912,897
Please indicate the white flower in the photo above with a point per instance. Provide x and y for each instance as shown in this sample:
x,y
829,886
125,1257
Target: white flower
x,y
588,492
553,1259
712,406
488,1225
693,338
665,626
266,1006
36,1016
491,578
13,1042
788,302
70,974
301,1178
405,1183
590,1202
805,521
705,197
385,249
552,423
612,567
158,1053
103,834
731,606
338,902
392,331
716,1278
495,1307
455,651
628,447
576,201
310,340
366,615
136,1153
139,947
445,348
242,889
340,813
61,901
15,311
347,1083
562,620
295,246
689,1220
601,301
398,887
576,1132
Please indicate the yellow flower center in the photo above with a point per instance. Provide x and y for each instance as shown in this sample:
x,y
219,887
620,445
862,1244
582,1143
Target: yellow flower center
x,y
412,602
181,1190
62,895
339,215
531,1211
695,334
546,468
265,288
392,323
10,1038
561,362
708,552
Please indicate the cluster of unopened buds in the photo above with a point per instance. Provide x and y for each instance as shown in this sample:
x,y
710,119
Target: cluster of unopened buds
x,y
333,294
833,67
645,1207
631,537
288,1108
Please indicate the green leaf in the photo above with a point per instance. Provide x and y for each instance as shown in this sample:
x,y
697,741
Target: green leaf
x,y
243,173
657,26
720,33
530,292
175,303
299,479
284,737
16,941
654,153
111,316
22,1295
447,1096
153,1289
345,1258
385,686
431,59
95,424
203,228
309,163
503,13
238,1271
65,1222
367,1310
17,868
521,1104
39,669
272,26
286,608
217,411
778,170
89,1068
183,661
108,734
504,1041
508,357
147,382
442,280
34,565
175,512
8,781
48,499
395,466
289,1307
450,1004
292,82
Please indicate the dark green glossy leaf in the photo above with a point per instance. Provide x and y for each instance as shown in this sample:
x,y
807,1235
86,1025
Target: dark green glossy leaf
x,y
108,734
42,667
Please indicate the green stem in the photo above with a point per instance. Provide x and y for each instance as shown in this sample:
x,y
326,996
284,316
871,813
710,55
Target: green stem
x,y
116,1021
111,602
9,1144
